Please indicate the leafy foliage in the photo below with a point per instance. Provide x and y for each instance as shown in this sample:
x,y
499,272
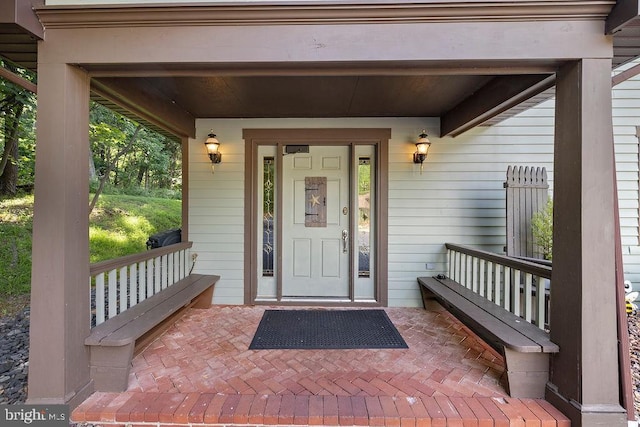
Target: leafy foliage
x,y
17,131
152,162
132,161
542,229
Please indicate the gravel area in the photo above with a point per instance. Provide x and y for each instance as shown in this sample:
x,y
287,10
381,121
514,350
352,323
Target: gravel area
x,y
634,346
14,357
14,352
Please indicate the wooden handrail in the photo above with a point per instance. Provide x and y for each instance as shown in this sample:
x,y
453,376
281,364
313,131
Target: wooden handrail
x,y
526,266
110,264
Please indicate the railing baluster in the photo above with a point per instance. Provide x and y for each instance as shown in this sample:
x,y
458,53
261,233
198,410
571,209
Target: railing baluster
x,y
181,258
113,293
123,285
454,265
133,285
100,298
541,293
482,282
472,273
507,288
498,284
516,291
172,269
165,272
463,269
142,280
528,296
150,277
490,279
177,257
468,270
157,280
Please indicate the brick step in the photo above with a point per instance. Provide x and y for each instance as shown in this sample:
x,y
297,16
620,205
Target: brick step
x,y
195,409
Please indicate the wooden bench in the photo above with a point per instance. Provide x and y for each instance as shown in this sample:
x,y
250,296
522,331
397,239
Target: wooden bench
x,y
525,347
114,342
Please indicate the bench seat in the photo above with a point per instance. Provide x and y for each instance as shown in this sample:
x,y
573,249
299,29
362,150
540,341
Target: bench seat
x,y
525,347
113,342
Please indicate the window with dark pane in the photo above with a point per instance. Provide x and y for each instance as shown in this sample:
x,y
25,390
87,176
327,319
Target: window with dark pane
x,y
268,248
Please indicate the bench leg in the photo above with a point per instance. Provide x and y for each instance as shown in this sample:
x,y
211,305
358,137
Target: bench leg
x,y
204,299
429,300
527,373
110,367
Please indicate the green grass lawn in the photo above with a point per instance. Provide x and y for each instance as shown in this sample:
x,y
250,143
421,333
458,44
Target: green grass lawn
x,y
119,225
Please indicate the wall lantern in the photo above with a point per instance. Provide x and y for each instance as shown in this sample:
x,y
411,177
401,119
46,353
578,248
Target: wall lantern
x,y
213,149
422,149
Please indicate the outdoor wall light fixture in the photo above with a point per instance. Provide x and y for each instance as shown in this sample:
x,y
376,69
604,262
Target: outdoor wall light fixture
x,y
422,149
213,149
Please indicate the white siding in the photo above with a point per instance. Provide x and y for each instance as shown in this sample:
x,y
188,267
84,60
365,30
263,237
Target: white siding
x,y
626,116
459,198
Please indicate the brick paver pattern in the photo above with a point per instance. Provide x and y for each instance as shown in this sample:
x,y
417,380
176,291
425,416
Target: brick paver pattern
x,y
201,372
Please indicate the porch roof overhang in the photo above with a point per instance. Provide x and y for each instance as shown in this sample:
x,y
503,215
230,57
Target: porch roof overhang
x,y
20,31
168,97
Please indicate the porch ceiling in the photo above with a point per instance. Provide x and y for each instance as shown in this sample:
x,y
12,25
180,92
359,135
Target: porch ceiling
x,y
20,31
316,96
461,96
18,46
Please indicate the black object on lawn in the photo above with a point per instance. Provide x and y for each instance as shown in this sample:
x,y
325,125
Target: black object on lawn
x,y
164,238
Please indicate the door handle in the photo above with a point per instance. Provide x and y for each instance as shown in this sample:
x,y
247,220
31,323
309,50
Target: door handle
x,y
345,238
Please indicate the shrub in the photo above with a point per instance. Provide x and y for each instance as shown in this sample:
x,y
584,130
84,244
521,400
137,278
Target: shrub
x,y
542,229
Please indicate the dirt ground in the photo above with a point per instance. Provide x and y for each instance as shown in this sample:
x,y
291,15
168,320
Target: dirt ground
x,y
11,305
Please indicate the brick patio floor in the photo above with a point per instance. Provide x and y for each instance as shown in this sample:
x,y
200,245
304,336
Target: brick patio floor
x,y
200,372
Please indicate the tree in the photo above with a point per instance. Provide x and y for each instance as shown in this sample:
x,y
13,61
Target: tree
x,y
129,157
15,101
105,175
122,153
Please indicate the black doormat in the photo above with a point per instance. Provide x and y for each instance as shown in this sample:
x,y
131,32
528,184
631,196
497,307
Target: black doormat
x,y
326,329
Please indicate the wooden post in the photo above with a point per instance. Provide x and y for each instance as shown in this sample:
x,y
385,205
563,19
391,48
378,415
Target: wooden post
x,y
58,359
584,380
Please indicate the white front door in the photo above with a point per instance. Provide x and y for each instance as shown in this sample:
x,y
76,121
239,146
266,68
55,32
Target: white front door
x,y
316,223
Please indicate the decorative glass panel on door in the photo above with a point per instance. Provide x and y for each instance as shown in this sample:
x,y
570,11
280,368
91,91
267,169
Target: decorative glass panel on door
x,y
364,216
268,249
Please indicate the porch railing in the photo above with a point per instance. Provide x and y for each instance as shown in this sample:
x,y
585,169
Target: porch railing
x,y
519,286
120,283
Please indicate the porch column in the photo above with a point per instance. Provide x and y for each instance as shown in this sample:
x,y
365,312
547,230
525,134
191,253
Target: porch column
x,y
584,380
58,360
